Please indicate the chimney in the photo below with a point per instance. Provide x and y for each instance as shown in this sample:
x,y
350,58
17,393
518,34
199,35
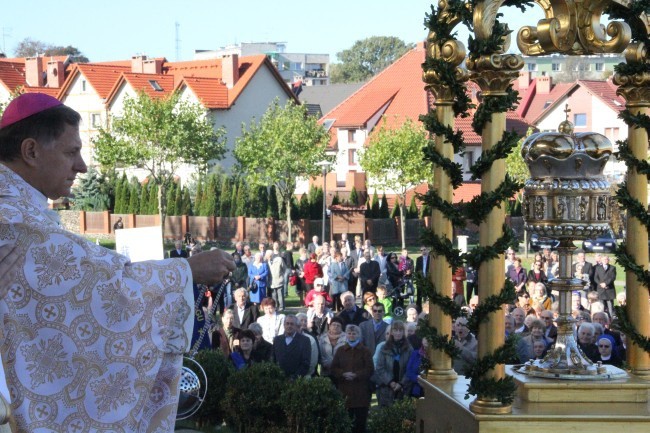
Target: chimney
x,y
137,64
34,72
543,85
524,80
230,70
152,66
55,73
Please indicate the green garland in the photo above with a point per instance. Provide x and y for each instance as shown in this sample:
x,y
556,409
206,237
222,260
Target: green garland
x,y
477,209
631,15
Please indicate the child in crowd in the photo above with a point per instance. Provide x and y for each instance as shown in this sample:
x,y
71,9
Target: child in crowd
x,y
386,302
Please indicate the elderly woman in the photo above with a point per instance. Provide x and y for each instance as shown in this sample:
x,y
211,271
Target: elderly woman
x,y
390,375
328,343
339,273
607,353
272,323
540,296
262,349
525,347
257,274
352,368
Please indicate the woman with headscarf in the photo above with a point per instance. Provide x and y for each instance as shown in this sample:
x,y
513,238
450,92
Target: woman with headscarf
x,y
607,353
257,274
352,368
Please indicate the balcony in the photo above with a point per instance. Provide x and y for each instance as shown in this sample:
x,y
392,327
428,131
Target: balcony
x,y
316,74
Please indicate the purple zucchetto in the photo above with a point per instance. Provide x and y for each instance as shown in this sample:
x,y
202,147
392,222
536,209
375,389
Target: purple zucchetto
x,y
27,105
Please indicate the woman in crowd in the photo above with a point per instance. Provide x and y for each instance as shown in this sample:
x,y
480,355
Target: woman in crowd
x,y
390,368
537,330
329,342
299,267
537,274
262,349
369,299
413,368
242,355
607,351
339,274
392,271
312,270
257,274
540,296
272,323
352,368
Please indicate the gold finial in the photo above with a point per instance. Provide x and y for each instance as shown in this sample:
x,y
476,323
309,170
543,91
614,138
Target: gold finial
x,y
566,127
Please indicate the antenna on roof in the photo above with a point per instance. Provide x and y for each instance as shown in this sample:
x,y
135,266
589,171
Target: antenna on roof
x,y
178,42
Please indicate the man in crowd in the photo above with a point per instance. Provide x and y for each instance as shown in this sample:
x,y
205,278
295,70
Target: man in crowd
x,y
587,273
311,248
351,314
467,344
604,278
245,312
373,331
369,273
292,350
178,251
84,319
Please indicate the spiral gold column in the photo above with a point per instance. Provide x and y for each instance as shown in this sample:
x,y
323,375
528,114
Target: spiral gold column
x,y
636,91
493,74
440,272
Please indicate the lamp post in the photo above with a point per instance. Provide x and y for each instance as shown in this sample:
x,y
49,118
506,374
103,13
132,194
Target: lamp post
x,y
324,165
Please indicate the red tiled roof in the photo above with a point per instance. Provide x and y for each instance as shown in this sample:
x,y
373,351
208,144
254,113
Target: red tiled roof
x,y
533,105
400,87
52,91
12,74
102,77
211,91
606,91
143,82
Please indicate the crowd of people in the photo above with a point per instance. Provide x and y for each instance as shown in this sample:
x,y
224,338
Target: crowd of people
x,y
345,329
348,331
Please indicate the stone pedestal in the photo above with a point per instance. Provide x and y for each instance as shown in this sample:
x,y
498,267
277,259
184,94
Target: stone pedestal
x,y
541,406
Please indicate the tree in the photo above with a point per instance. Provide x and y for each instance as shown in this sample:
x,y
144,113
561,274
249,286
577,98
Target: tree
x,y
413,209
88,194
272,210
366,58
160,135
384,212
516,166
30,48
354,197
303,206
285,144
186,208
394,160
134,200
226,195
374,206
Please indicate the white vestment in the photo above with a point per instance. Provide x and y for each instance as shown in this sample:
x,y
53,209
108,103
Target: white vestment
x,y
90,342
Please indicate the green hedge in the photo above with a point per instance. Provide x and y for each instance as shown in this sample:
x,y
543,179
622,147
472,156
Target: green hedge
x,y
398,418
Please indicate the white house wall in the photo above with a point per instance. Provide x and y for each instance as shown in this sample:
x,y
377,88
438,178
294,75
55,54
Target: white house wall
x,y
253,102
86,103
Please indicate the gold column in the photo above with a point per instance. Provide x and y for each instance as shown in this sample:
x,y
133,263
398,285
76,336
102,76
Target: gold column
x,y
636,91
453,53
493,74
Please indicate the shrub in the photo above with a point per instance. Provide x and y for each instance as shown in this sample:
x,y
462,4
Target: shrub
x,y
314,406
398,418
252,400
217,368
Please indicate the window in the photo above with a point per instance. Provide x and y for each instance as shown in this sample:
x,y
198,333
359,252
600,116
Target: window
x,y
600,67
532,66
556,67
352,135
547,104
580,119
611,133
154,85
296,66
96,120
327,124
352,157
83,85
469,159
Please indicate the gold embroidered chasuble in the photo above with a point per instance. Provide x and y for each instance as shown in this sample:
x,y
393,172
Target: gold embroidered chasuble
x,y
90,342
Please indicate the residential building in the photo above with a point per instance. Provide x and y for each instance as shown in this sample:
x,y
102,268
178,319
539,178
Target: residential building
x,y
395,94
309,69
571,68
594,107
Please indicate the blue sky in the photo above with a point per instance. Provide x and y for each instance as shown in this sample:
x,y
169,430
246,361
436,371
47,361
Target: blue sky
x,y
118,29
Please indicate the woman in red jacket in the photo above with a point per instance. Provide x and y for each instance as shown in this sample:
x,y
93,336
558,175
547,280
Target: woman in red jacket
x,y
312,271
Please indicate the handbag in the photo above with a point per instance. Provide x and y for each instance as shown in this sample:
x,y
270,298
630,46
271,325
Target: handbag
x,y
293,280
253,287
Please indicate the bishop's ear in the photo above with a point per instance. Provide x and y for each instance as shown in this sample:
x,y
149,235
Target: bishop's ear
x,y
29,151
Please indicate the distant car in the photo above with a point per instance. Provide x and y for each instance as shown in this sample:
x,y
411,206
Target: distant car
x,y
538,243
606,243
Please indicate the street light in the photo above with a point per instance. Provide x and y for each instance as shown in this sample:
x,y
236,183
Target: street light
x,y
324,165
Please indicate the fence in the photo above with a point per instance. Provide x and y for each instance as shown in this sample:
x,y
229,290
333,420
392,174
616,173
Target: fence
x,y
380,231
